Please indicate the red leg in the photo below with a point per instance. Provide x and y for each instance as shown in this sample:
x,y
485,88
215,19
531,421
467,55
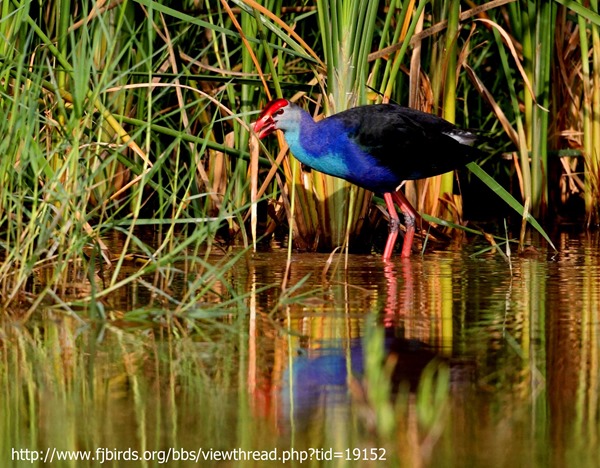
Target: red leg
x,y
394,226
410,214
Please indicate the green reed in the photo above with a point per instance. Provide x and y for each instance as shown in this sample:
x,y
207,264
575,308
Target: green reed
x,y
97,145
590,66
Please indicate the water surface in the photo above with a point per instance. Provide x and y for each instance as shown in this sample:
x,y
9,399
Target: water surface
x,y
455,358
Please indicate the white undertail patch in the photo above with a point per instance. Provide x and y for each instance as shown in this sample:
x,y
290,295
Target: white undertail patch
x,y
462,136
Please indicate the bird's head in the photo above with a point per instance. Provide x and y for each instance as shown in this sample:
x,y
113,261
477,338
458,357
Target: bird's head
x,y
279,114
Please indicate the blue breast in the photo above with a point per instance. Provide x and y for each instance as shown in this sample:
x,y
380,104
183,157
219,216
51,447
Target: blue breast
x,y
326,147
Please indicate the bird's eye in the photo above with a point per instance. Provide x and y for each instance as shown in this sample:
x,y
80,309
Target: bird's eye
x,y
278,112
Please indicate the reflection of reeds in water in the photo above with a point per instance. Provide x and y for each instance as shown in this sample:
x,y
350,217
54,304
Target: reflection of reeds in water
x,y
372,359
69,387
572,350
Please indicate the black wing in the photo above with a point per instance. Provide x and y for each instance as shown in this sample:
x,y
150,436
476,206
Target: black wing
x,y
411,143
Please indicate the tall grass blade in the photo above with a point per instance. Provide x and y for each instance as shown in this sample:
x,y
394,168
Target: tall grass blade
x,y
508,199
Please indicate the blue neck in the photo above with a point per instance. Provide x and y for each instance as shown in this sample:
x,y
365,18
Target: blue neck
x,y
327,147
319,145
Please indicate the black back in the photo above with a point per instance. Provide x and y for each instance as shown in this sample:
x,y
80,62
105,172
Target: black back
x,y
411,143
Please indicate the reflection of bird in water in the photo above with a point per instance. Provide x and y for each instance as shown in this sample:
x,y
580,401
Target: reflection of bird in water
x,y
320,379
332,377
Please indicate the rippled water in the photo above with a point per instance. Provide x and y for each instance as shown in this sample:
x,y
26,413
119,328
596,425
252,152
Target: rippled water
x,y
456,358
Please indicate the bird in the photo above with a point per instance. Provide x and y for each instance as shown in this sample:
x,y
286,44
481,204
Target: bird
x,y
376,147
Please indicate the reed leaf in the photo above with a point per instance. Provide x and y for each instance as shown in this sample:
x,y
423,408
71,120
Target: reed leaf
x,y
508,199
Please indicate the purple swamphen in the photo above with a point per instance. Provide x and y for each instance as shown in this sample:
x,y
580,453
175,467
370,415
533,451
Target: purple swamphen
x,y
375,147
